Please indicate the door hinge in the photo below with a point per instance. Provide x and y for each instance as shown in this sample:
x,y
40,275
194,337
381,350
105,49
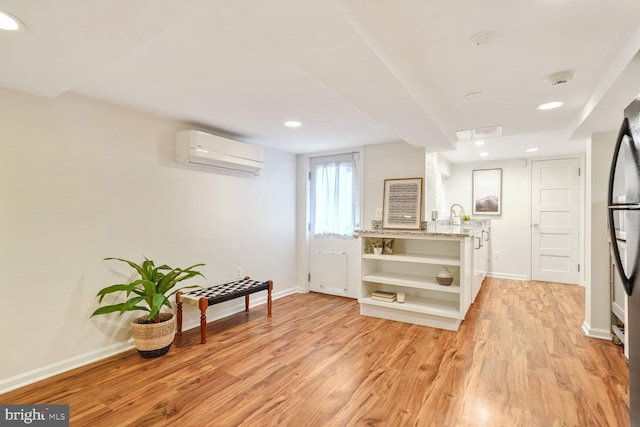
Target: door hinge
x,y
579,171
309,175
309,277
578,268
308,226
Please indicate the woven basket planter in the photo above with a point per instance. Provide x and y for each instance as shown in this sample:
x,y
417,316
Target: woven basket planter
x,y
153,339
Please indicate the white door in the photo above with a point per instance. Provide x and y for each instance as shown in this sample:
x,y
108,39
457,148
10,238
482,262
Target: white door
x,y
554,220
334,254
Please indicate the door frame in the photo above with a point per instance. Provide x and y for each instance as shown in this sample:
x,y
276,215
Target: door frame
x,y
303,209
581,213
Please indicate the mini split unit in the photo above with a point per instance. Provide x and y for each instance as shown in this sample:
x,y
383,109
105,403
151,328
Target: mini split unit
x,y
204,149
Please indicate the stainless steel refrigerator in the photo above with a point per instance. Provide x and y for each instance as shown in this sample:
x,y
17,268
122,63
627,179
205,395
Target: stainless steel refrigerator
x,y
624,228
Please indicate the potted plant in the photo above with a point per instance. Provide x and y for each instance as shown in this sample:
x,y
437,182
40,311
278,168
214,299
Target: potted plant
x,y
154,332
374,246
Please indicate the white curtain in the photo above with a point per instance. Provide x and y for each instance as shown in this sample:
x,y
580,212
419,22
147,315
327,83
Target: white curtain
x,y
334,195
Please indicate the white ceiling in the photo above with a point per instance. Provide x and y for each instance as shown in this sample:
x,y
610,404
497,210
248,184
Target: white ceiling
x,y
354,72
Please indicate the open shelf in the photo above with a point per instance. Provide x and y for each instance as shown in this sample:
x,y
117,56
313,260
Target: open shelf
x,y
417,258
421,305
409,281
618,332
617,310
412,267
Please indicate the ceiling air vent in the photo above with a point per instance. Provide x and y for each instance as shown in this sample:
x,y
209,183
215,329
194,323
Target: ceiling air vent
x,y
479,133
489,132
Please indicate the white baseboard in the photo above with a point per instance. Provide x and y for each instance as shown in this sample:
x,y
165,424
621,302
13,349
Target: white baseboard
x,y
74,362
602,334
65,365
507,276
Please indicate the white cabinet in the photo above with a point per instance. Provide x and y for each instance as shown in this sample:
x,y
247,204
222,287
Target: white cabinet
x,y
481,260
411,269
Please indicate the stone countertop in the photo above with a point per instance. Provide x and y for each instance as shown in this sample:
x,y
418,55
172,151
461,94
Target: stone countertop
x,y
440,228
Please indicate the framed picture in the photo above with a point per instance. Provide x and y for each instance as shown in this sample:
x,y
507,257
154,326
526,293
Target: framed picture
x,y
387,246
487,192
402,204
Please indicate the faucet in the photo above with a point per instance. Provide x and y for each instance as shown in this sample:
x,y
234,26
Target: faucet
x,y
456,217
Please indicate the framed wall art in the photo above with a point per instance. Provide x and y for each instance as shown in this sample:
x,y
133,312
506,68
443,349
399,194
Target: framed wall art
x,y
387,246
402,204
487,192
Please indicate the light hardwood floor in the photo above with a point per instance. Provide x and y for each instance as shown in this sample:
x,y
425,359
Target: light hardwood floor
x,y
519,359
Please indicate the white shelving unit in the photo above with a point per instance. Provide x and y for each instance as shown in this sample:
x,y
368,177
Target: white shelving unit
x,y
411,268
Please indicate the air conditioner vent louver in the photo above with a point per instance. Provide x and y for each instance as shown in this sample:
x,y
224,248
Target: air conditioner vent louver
x,y
205,149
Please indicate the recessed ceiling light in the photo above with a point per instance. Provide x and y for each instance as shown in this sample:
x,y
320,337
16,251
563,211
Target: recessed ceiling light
x,y
474,95
9,22
292,124
531,150
479,142
550,105
484,154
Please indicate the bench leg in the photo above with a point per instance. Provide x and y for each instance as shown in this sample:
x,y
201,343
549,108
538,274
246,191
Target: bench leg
x,y
203,304
269,302
246,302
179,310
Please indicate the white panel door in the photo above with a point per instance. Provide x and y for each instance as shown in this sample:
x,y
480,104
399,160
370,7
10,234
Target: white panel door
x,y
334,266
554,220
334,260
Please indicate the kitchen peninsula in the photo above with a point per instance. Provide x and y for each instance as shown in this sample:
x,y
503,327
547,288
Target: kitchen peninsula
x,y
409,265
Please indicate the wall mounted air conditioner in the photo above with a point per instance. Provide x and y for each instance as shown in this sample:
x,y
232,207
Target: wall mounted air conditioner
x,y
204,149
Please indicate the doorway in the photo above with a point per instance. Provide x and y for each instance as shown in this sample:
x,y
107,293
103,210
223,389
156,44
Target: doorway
x,y
555,229
334,203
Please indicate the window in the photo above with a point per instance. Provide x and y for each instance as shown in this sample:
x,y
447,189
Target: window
x,y
333,195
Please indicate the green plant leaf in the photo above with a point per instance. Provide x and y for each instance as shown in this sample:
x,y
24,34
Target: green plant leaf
x,y
149,287
156,304
133,265
152,288
111,289
167,281
178,275
119,308
131,304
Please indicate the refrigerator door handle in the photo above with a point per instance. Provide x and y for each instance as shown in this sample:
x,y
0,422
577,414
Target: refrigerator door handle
x,y
625,207
626,278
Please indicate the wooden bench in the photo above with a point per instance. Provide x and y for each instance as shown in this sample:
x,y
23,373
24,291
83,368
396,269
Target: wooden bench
x,y
205,297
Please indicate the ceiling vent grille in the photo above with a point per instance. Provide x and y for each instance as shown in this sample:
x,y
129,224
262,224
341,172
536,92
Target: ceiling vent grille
x,y
479,133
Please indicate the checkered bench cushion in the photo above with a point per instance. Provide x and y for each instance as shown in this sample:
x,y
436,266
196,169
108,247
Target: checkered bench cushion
x,y
225,292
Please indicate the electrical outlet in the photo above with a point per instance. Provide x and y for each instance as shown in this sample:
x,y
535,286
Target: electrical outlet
x,y
378,214
496,255
238,272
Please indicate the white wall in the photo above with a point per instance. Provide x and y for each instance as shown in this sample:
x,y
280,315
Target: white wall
x,y
509,231
597,308
82,180
384,161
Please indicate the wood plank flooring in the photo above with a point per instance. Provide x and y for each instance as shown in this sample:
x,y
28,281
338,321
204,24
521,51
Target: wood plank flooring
x,y
519,359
